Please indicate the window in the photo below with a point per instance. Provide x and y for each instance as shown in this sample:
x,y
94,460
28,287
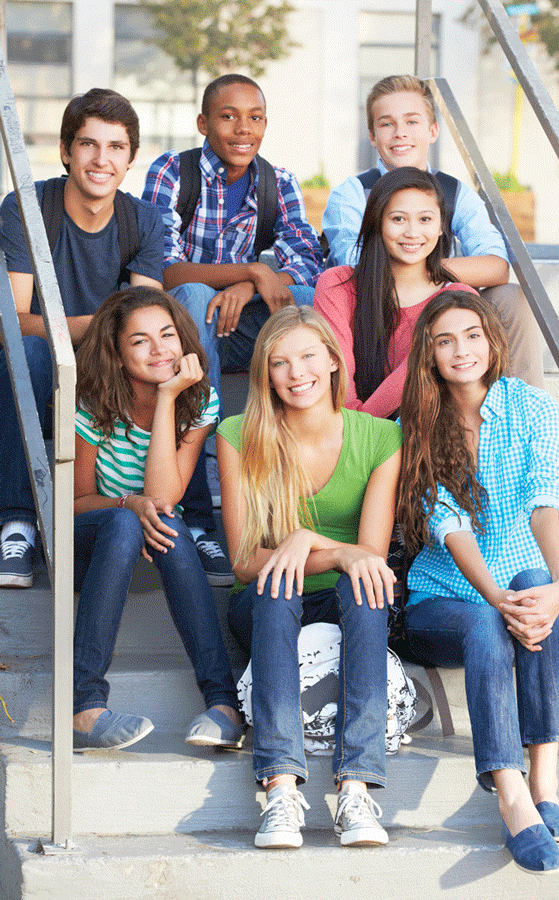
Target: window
x,y
39,39
162,95
39,48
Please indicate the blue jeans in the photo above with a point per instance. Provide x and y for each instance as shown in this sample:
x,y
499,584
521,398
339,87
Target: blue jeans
x,y
16,496
276,692
107,546
231,354
453,633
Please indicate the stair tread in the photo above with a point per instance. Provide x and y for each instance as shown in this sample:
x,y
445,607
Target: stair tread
x,y
416,863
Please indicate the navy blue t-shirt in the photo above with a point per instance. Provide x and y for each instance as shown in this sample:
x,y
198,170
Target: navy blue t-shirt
x,y
236,194
87,264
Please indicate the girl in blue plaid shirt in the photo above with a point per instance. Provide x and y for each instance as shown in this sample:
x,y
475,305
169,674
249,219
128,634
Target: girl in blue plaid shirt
x,y
479,494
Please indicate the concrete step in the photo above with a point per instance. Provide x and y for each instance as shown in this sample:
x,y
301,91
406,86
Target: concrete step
x,y
417,864
164,821
146,626
158,685
162,786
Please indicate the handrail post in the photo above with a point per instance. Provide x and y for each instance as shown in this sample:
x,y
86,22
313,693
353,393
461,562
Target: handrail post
x,y
528,277
423,36
63,597
56,526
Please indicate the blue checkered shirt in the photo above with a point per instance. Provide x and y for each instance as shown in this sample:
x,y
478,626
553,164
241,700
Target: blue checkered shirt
x,y
211,239
519,468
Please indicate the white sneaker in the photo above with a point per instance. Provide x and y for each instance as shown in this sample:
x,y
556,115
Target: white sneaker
x,y
283,819
357,817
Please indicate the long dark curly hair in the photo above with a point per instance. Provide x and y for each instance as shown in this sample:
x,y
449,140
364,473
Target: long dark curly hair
x,y
434,439
377,309
103,387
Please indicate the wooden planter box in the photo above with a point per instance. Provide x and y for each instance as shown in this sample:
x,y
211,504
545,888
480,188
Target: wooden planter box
x,y
522,207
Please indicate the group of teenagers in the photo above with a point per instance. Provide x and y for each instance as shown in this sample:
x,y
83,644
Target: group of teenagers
x,y
378,394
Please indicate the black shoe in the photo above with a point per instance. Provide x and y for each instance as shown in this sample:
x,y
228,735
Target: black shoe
x,y
16,562
214,562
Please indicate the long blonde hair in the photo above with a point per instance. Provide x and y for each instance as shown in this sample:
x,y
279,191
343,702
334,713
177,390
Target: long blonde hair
x,y
273,481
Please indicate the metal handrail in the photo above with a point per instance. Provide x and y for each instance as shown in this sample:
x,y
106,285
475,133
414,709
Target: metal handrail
x,y
548,116
54,500
522,264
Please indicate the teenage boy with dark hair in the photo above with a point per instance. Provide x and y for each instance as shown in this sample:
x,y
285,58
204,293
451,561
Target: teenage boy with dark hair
x,y
98,144
402,125
210,262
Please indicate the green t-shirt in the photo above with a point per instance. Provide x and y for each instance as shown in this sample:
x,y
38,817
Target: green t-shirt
x,y
367,443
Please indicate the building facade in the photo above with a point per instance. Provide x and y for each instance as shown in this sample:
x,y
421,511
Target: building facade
x,y
316,96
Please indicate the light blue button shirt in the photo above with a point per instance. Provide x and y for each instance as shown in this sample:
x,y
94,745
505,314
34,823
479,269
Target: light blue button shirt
x,y
519,468
343,215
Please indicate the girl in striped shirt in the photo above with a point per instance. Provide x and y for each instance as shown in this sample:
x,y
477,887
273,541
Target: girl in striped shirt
x,y
145,407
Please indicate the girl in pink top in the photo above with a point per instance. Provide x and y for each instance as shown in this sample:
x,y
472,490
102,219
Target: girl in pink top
x,y
374,307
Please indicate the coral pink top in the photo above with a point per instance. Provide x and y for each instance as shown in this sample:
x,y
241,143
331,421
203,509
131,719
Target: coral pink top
x,y
334,298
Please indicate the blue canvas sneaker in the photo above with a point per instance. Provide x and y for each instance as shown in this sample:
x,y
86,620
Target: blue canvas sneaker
x,y
214,562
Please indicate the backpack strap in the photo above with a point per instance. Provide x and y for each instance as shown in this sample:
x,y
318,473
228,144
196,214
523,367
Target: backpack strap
x,y
190,185
128,232
368,179
52,207
266,196
449,186
267,206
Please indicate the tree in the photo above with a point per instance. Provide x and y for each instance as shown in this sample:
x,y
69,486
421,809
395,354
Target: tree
x,y
541,27
219,36
546,26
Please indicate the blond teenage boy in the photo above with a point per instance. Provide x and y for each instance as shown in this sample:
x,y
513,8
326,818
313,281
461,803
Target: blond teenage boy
x,y
402,126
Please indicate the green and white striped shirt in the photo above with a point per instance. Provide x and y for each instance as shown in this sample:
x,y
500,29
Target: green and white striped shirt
x,y
121,460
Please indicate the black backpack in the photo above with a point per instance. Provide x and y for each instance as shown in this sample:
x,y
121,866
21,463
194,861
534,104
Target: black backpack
x,y
266,196
52,209
449,186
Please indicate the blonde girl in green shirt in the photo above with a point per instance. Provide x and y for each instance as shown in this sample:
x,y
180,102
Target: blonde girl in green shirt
x,y
308,494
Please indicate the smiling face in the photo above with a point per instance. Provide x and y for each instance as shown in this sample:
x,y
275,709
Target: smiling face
x,y
411,225
235,126
402,131
300,368
98,159
149,347
461,349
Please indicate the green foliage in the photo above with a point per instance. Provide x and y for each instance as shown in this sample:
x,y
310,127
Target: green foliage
x,y
509,182
547,26
220,36
317,181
